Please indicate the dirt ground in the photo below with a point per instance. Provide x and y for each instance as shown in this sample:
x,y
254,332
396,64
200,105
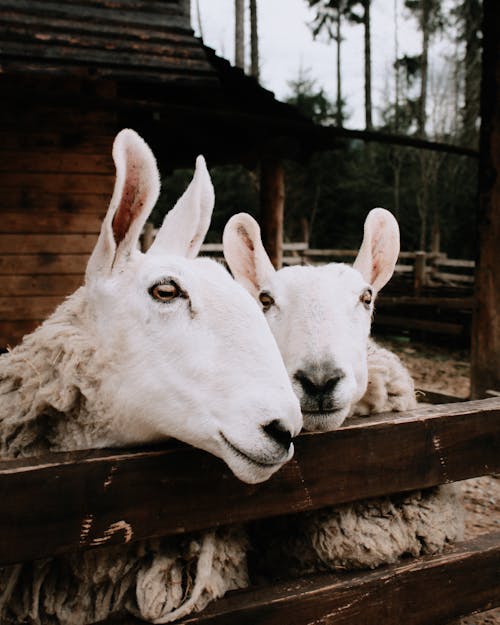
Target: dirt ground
x,y
446,370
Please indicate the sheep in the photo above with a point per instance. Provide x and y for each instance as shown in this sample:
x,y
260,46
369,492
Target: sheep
x,y
321,317
150,347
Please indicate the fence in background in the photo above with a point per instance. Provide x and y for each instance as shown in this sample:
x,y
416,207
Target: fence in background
x,y
428,294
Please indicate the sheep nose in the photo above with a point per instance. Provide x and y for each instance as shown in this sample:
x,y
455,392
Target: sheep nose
x,y
318,385
279,433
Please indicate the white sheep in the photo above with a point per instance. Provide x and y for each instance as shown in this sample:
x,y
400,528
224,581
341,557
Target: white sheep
x,y
321,317
153,345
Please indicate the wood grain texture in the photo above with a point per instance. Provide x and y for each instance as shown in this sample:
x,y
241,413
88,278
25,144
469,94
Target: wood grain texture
x,y
485,344
424,591
47,501
272,207
43,263
48,284
47,243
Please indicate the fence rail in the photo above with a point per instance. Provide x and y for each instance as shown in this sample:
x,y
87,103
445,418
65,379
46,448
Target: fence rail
x,y
81,500
64,502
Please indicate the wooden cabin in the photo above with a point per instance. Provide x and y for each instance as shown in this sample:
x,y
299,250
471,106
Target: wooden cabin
x,y
72,74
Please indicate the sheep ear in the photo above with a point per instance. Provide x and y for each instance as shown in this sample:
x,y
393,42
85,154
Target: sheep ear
x,y
185,226
380,248
245,254
136,191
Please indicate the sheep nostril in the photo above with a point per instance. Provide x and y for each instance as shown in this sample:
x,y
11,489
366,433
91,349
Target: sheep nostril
x,y
279,433
318,387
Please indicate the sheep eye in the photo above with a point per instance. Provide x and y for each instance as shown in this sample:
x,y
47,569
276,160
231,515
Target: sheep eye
x,y
266,300
366,297
165,292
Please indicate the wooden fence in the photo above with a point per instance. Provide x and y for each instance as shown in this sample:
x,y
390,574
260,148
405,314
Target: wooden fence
x,y
429,293
82,500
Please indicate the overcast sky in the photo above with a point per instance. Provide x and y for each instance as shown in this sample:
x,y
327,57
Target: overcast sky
x,y
286,44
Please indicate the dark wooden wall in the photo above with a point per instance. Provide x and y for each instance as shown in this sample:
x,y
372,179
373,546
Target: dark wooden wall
x,y
56,178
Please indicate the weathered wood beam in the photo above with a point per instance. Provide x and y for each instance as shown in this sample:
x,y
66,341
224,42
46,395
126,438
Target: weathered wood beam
x,y
485,344
423,591
272,207
63,502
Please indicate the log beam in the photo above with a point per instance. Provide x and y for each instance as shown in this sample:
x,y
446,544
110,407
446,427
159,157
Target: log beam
x,y
78,500
272,208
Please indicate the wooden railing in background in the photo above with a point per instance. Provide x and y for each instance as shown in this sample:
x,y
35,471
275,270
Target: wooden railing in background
x,y
428,294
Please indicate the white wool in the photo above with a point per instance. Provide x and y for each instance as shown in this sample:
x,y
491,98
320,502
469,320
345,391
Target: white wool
x,y
157,580
153,346
321,317
390,387
364,534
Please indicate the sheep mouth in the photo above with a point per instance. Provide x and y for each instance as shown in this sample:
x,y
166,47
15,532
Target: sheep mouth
x,y
322,421
322,413
246,457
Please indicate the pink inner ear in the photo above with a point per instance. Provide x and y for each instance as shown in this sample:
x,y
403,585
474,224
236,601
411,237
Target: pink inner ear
x,y
131,203
243,234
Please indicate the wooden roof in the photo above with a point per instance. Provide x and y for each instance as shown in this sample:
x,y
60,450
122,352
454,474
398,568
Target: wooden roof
x,y
150,40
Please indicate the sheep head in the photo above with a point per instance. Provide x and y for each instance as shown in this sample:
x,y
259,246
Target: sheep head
x,y
319,316
190,355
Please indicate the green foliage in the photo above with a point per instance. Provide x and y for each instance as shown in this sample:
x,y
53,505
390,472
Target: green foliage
x,y
235,191
310,100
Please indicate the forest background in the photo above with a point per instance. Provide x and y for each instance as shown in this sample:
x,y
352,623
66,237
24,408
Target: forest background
x,y
433,94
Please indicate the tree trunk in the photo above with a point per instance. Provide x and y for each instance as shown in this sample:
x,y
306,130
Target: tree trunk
x,y
198,19
485,346
425,26
339,115
472,18
272,207
396,68
368,66
239,33
254,40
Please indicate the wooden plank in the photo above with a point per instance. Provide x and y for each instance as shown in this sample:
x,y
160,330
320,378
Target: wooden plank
x,y
32,199
452,277
27,308
90,184
104,56
11,332
43,263
61,162
424,591
434,397
426,301
455,262
52,243
27,285
83,13
53,144
63,502
84,40
48,223
124,31
55,117
333,253
426,325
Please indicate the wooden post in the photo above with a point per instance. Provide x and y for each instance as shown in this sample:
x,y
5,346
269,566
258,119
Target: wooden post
x,y
272,208
485,343
419,272
147,236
